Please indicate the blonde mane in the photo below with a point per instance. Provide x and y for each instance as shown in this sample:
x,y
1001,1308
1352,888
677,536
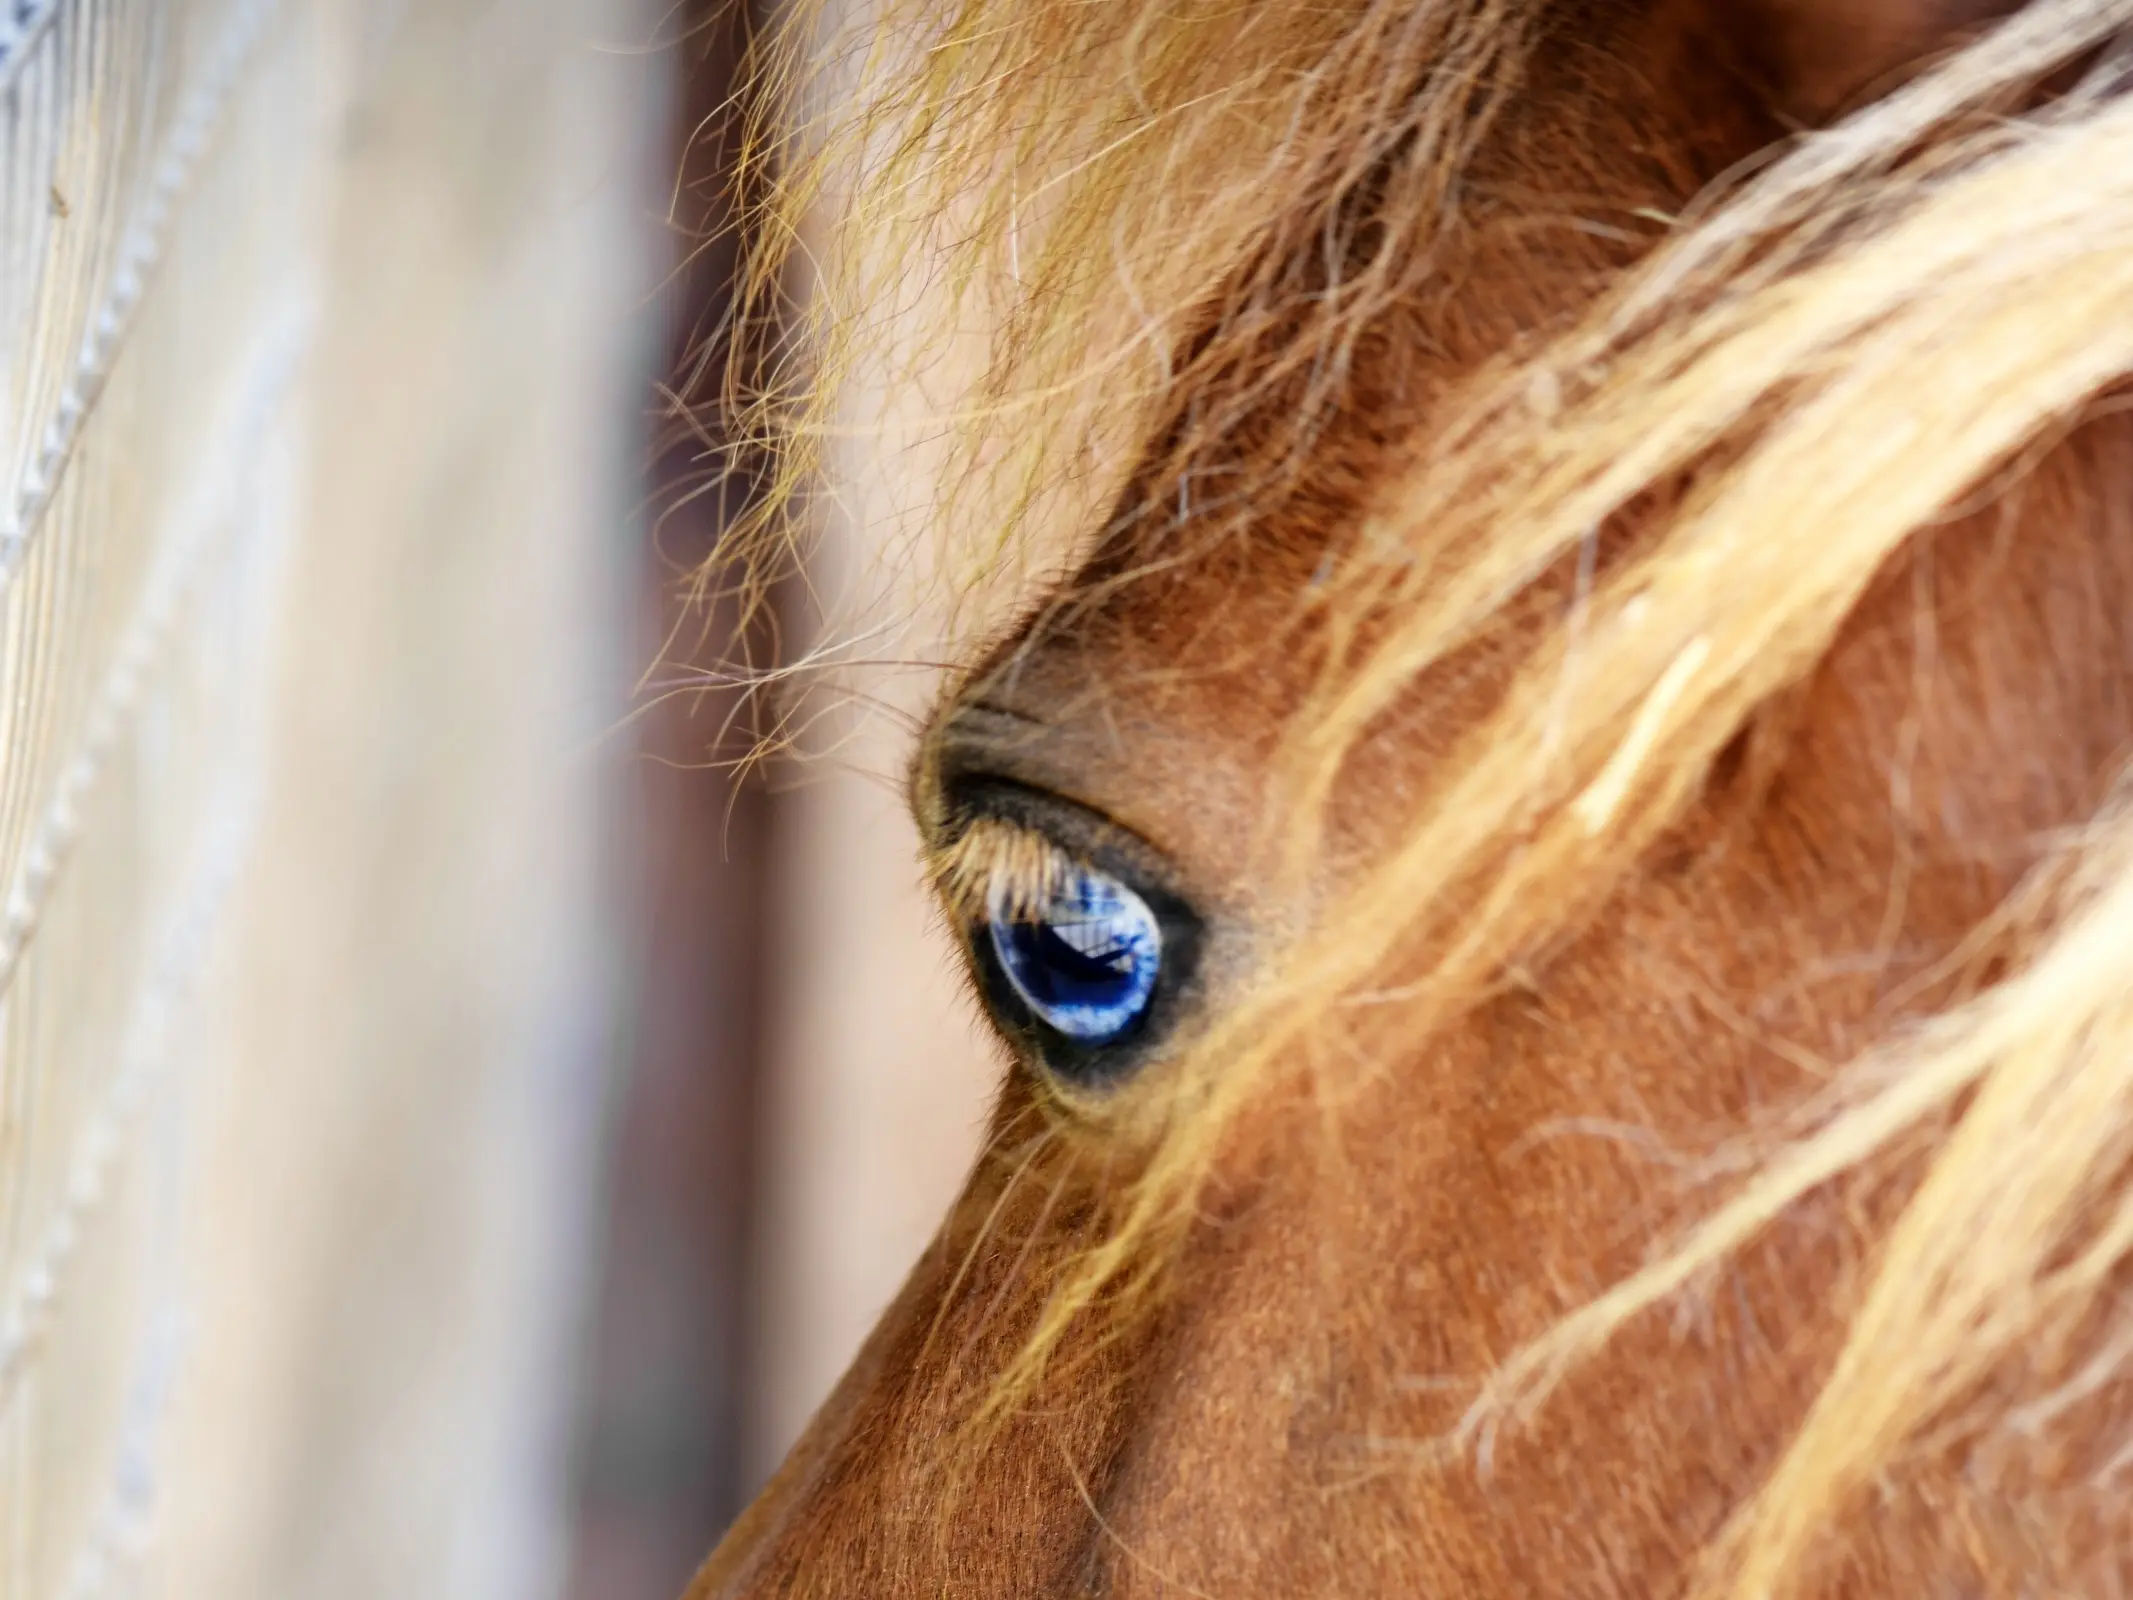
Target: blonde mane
x,y
1823,358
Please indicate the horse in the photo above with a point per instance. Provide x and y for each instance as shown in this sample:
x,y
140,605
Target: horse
x,y
1536,790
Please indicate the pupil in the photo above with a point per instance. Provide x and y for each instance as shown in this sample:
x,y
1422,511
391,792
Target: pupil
x,y
1064,964
1086,961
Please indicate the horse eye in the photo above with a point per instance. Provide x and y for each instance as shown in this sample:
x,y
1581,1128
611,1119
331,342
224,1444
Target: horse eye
x,y
1082,940
1083,959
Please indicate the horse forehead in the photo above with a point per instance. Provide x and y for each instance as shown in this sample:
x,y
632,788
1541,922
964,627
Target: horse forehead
x,y
1218,545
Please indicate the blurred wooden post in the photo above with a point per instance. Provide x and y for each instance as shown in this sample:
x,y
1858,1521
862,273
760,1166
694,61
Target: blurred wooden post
x,y
659,1467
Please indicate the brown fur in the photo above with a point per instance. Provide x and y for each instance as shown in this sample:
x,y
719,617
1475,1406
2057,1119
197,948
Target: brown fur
x,y
1283,1418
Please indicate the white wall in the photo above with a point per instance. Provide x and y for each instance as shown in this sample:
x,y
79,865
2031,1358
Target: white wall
x,y
311,634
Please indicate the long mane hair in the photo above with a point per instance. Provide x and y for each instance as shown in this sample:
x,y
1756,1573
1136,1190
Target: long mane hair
x,y
1100,235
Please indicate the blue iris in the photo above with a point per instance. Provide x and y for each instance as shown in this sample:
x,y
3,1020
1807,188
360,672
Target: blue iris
x,y
1085,959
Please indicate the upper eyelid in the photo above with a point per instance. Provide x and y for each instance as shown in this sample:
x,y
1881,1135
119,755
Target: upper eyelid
x,y
1080,831
984,746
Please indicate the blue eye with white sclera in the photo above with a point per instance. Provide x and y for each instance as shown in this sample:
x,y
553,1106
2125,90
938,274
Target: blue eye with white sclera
x,y
1084,959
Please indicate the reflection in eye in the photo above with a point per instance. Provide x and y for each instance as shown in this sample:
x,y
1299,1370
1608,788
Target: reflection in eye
x,y
1083,958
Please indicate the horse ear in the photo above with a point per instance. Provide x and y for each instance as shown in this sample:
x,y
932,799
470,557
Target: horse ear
x,y
1822,56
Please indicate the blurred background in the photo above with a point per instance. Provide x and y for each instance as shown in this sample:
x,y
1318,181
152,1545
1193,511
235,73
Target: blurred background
x,y
452,1129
